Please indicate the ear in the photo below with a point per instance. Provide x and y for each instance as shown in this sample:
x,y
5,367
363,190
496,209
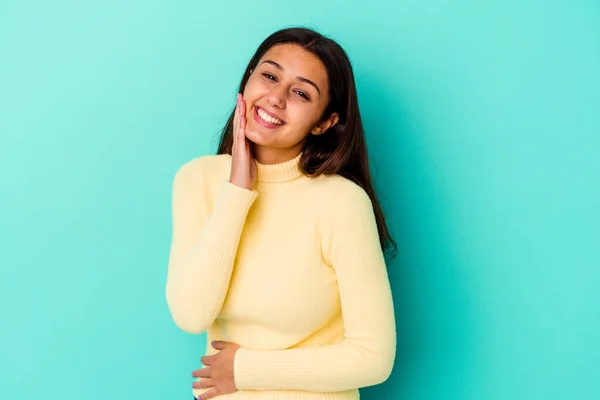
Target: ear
x,y
326,124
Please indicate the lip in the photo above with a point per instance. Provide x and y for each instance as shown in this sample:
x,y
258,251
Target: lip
x,y
265,123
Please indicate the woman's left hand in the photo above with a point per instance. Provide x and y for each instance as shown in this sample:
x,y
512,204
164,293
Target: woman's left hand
x,y
218,373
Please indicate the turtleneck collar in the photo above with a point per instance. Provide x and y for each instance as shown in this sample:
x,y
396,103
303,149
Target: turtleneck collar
x,y
279,172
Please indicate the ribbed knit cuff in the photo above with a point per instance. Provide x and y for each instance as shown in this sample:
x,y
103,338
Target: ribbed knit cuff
x,y
235,199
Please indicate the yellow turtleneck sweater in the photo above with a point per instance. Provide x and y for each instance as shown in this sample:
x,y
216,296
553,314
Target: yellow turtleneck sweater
x,y
292,271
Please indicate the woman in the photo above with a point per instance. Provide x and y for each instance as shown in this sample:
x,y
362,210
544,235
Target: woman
x,y
278,240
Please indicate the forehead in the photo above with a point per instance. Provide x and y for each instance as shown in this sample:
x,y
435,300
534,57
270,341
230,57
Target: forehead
x,y
297,62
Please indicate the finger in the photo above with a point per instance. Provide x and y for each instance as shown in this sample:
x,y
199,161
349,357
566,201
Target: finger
x,y
242,106
207,360
242,130
202,373
218,344
242,122
208,394
204,383
236,115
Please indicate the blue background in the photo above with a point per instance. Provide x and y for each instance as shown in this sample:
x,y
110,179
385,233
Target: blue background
x,y
483,123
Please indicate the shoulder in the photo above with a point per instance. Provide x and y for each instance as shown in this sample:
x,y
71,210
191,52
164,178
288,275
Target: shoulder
x,y
346,214
342,196
339,187
206,163
202,173
203,167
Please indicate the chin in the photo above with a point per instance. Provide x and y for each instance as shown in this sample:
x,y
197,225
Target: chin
x,y
259,137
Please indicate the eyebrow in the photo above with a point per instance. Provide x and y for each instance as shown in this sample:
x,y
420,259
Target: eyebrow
x,y
300,78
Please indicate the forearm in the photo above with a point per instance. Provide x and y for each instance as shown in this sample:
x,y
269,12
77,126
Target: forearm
x,y
201,262
342,366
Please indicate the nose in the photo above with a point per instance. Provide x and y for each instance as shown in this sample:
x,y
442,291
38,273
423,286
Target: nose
x,y
277,96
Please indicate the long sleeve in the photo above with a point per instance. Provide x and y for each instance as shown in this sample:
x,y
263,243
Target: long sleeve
x,y
203,248
365,356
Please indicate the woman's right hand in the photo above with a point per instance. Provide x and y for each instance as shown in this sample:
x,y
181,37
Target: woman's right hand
x,y
243,164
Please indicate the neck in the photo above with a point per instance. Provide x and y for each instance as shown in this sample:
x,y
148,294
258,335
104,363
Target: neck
x,y
268,155
280,171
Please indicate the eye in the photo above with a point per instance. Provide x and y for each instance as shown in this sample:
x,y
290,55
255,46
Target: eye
x,y
302,94
269,76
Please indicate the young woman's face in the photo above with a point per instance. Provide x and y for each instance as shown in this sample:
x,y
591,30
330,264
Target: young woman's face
x,y
286,95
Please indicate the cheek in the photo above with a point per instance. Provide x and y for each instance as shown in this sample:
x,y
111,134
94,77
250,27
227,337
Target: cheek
x,y
254,87
303,116
249,91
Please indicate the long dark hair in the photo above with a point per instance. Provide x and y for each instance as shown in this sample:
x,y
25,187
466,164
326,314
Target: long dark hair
x,y
342,149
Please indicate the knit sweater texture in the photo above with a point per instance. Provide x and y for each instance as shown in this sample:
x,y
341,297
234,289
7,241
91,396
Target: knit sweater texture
x,y
291,270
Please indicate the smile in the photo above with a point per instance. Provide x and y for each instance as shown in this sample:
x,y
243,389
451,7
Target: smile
x,y
265,119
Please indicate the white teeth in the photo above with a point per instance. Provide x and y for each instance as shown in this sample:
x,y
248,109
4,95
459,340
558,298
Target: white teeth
x,y
265,117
